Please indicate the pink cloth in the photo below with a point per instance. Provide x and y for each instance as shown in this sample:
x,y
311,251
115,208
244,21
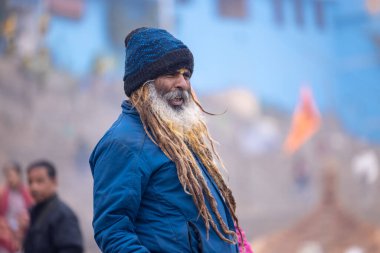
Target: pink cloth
x,y
247,246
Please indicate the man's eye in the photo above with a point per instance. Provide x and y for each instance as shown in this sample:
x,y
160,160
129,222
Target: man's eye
x,y
186,75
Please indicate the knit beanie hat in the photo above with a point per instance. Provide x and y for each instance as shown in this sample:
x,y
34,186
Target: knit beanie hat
x,y
150,53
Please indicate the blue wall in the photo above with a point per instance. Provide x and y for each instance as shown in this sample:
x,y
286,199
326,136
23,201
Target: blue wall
x,y
75,44
271,60
340,62
357,92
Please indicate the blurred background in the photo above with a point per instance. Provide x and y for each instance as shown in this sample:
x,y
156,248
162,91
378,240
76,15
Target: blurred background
x,y
300,80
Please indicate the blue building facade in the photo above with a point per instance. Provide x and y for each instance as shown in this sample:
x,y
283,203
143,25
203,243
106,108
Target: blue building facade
x,y
271,47
357,91
266,51
76,43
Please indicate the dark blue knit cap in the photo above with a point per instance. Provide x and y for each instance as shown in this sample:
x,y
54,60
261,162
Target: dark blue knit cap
x,y
150,53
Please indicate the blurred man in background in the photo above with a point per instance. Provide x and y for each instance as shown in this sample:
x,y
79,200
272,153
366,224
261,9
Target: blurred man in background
x,y
53,226
157,185
14,202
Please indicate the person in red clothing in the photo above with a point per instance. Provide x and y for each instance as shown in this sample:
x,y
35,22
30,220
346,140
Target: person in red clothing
x,y
14,203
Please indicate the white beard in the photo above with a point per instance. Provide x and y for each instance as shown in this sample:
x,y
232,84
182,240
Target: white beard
x,y
184,119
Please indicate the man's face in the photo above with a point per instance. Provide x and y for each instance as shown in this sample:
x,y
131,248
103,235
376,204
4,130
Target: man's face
x,y
41,185
174,88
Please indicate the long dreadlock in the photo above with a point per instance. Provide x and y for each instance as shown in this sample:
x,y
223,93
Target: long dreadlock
x,y
179,147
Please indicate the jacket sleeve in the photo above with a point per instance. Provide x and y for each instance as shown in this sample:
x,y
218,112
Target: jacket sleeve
x,y
119,181
67,236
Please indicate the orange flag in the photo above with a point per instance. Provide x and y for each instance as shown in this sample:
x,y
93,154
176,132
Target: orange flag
x,y
306,121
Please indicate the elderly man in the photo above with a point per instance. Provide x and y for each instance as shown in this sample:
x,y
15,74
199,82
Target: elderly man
x,y
157,186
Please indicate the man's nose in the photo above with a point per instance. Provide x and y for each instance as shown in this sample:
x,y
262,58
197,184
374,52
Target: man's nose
x,y
182,82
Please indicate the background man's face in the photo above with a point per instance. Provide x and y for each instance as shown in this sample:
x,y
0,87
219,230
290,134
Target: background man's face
x,y
41,185
174,87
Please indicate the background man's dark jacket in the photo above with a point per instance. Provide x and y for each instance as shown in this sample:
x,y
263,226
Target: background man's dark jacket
x,y
53,228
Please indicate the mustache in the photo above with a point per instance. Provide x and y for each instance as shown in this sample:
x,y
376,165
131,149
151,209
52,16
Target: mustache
x,y
177,94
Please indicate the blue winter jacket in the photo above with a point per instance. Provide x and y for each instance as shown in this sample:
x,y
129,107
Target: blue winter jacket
x,y
139,202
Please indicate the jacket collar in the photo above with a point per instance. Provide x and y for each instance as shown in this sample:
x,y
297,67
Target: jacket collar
x,y
47,201
128,108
